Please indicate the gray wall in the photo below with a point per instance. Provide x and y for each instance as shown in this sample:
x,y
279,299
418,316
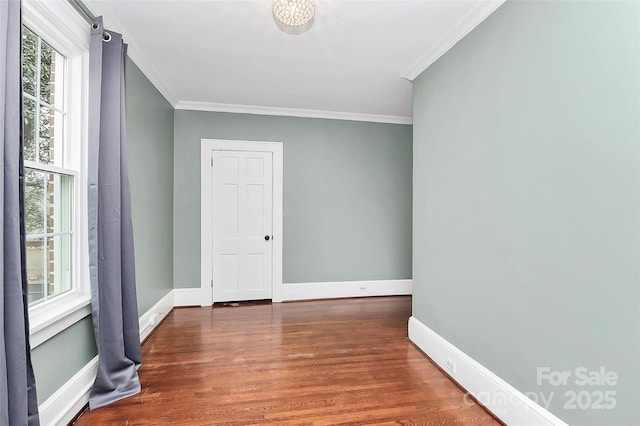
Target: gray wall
x,y
347,195
59,358
150,145
150,150
526,197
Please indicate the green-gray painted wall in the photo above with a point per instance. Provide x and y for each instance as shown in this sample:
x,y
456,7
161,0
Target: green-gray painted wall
x,y
347,194
150,149
150,153
58,359
526,198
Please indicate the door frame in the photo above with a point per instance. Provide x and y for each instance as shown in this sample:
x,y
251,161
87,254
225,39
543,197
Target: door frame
x,y
207,146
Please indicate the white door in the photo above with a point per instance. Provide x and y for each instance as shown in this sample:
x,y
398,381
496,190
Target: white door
x,y
242,225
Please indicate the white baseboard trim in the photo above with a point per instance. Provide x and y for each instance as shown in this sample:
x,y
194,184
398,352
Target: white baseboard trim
x,y
503,400
187,297
150,319
61,407
333,290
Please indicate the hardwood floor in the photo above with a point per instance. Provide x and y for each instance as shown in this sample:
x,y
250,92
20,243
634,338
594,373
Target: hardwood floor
x,y
331,362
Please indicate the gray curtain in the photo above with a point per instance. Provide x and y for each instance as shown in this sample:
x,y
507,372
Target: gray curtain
x,y
18,400
111,260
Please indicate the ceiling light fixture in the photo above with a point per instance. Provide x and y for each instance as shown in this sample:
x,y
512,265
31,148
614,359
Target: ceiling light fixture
x,y
296,15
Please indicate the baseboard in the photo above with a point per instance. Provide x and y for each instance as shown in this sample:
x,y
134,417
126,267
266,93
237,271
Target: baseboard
x,y
187,297
61,407
333,290
150,319
503,400
316,290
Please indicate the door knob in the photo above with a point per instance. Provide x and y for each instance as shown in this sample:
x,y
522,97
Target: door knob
x,y
267,238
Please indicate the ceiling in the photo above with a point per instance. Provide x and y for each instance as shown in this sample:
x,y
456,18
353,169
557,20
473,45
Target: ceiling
x,y
356,62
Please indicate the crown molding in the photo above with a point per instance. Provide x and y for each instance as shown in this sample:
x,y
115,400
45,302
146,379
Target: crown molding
x,y
291,112
451,37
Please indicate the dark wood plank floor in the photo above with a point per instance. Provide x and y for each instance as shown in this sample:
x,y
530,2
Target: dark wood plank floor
x,y
305,363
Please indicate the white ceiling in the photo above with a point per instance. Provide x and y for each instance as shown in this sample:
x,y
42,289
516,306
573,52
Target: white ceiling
x,y
231,56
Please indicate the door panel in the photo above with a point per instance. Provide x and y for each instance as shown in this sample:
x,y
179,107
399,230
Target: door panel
x,y
255,204
242,217
229,271
229,199
254,270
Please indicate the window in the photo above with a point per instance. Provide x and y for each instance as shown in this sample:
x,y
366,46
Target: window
x,y
55,53
48,184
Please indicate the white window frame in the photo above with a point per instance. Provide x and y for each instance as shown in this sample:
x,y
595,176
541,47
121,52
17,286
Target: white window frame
x,y
57,23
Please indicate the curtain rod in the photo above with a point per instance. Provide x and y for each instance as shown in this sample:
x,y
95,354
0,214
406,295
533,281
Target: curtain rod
x,y
83,10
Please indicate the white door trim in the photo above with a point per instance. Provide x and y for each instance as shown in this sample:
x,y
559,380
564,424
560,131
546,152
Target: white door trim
x,y
206,210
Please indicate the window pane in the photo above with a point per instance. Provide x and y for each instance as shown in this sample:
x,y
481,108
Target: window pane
x,y
51,129
29,130
35,269
48,267
59,203
58,265
34,201
48,217
51,76
47,135
29,61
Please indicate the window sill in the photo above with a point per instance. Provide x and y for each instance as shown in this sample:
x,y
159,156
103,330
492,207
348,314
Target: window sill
x,y
46,323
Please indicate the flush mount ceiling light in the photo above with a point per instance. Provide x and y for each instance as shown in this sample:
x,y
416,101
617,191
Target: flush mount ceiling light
x,y
294,16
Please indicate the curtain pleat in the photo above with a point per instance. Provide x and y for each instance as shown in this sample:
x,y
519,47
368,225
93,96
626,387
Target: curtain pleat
x,y
111,256
18,399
